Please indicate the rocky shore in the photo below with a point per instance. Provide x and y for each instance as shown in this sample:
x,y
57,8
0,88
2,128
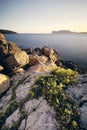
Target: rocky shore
x,y
19,70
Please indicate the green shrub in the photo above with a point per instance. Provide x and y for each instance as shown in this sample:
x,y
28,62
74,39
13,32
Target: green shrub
x,y
52,88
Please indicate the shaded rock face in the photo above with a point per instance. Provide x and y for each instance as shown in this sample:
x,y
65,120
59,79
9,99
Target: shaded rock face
x,y
79,93
33,60
28,51
13,48
69,64
4,83
16,61
7,48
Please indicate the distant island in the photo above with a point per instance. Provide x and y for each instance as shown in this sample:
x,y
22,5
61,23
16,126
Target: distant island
x,y
67,32
7,31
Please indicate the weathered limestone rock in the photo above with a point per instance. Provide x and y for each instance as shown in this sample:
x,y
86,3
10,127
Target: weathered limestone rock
x,y
7,48
33,60
13,118
4,83
16,61
49,52
1,68
2,38
39,68
12,48
40,116
22,125
79,93
42,58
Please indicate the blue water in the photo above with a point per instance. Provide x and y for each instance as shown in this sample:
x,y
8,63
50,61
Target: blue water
x,y
72,47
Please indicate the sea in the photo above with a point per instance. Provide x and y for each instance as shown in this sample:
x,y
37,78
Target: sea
x,y
71,47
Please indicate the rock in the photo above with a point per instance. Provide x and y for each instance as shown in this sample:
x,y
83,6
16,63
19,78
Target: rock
x,y
4,83
37,51
39,68
7,49
2,38
42,59
4,101
79,93
40,116
58,63
49,52
1,68
16,61
20,70
12,48
28,51
22,125
33,60
70,65
12,119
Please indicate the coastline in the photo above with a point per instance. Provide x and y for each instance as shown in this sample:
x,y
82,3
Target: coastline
x,y
34,82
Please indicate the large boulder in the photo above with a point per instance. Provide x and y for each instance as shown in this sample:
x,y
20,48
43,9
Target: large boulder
x,y
7,48
12,48
16,61
35,59
4,83
51,53
2,38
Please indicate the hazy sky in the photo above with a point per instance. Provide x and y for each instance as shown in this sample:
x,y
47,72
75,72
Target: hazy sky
x,y
43,16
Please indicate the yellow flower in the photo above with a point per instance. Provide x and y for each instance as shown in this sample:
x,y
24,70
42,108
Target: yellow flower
x,y
51,91
67,111
74,123
57,100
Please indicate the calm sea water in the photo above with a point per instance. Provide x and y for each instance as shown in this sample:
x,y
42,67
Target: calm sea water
x,y
72,47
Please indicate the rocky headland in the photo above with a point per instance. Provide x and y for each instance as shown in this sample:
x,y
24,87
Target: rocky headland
x,y
30,82
3,31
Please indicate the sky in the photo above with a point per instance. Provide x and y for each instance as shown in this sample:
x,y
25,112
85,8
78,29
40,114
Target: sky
x,y
43,16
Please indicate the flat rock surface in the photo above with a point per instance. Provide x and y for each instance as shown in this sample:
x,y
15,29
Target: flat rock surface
x,y
79,93
4,83
40,116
